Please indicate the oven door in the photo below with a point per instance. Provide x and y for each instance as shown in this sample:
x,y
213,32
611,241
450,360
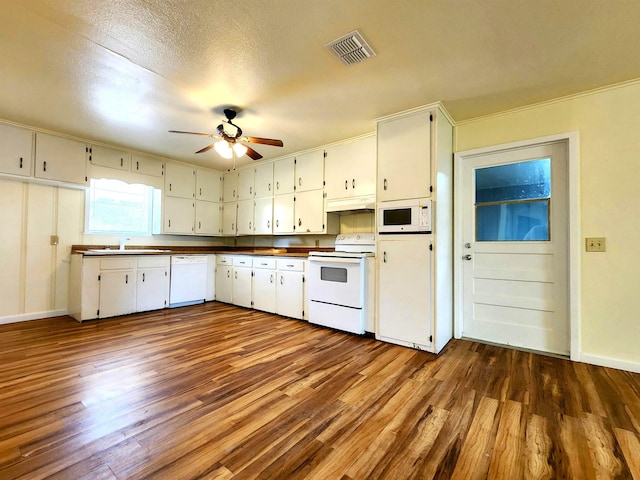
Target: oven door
x,y
336,280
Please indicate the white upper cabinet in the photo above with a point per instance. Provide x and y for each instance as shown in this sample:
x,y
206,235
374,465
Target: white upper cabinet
x,y
61,159
244,217
230,187
404,156
264,180
263,216
208,185
207,218
147,165
309,212
178,215
109,157
229,212
246,178
309,171
180,181
283,176
16,150
283,212
350,169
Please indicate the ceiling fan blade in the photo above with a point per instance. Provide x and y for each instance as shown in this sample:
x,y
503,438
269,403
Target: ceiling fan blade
x,y
252,153
265,141
205,149
191,133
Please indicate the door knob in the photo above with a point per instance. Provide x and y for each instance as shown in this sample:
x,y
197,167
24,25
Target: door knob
x,y
466,257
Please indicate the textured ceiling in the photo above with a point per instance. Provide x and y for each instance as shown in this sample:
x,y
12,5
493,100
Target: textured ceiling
x,y
126,72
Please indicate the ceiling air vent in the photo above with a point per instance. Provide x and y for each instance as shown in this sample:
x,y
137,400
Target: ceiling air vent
x,y
351,48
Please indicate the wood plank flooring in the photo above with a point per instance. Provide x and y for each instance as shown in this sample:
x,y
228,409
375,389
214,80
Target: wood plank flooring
x,y
219,392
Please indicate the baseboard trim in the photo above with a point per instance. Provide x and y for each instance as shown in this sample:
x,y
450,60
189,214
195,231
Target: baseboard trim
x,y
25,317
610,362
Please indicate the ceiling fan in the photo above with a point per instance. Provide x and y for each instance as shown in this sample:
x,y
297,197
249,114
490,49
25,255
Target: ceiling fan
x,y
230,144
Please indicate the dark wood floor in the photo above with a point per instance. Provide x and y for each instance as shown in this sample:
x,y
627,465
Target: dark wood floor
x,y
215,391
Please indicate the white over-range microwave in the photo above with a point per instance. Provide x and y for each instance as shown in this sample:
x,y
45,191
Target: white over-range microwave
x,y
405,216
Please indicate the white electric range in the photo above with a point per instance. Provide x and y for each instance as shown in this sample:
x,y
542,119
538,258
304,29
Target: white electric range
x,y
341,284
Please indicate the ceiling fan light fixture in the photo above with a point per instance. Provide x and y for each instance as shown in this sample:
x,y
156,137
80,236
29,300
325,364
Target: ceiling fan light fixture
x,y
239,149
224,149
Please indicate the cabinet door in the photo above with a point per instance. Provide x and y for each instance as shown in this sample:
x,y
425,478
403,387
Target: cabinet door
x,y
208,185
16,149
230,187
246,179
264,290
310,171
264,180
350,169
404,291
263,216
152,289
309,212
241,293
147,165
61,159
117,293
180,180
284,176
224,283
404,157
290,294
178,215
109,157
229,211
207,218
283,213
245,217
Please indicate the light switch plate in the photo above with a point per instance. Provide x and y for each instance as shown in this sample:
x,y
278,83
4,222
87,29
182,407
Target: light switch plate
x,y
595,244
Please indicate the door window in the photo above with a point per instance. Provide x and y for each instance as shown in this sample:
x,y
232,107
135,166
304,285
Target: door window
x,y
513,201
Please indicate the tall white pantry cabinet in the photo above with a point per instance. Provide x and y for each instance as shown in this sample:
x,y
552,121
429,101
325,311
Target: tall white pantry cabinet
x,y
414,274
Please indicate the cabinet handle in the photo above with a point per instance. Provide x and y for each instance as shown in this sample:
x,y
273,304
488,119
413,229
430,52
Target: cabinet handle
x,y
234,193
269,186
249,225
121,162
169,223
170,187
235,275
299,222
233,226
143,277
289,266
384,257
137,165
228,274
353,183
277,223
200,191
199,225
346,184
20,162
250,190
299,181
384,184
268,223
126,278
271,278
278,185
44,166
281,280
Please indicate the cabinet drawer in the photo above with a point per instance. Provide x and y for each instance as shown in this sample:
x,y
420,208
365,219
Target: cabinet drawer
x,y
122,263
243,261
153,261
291,264
264,262
224,259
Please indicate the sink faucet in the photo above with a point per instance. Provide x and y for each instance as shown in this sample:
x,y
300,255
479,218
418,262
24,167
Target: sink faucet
x,y
123,242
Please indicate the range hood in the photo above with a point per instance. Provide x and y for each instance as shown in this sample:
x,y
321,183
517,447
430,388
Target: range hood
x,y
346,206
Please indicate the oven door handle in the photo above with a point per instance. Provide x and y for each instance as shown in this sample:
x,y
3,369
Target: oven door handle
x,y
331,260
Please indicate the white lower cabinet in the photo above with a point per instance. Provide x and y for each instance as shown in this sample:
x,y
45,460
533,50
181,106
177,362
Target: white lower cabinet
x,y
152,287
264,284
224,278
241,285
405,292
290,298
101,287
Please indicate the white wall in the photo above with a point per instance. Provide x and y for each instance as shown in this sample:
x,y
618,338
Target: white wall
x,y
608,122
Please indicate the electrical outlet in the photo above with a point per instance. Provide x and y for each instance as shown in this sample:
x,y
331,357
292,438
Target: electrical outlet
x,y
595,244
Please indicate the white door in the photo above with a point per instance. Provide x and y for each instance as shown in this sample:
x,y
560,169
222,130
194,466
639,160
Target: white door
x,y
515,254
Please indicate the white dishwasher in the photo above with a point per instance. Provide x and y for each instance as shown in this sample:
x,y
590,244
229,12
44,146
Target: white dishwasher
x,y
188,280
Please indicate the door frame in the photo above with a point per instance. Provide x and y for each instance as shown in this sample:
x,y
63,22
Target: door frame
x,y
572,140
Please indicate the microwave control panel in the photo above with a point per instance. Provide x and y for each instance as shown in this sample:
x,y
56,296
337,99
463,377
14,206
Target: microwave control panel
x,y
425,216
